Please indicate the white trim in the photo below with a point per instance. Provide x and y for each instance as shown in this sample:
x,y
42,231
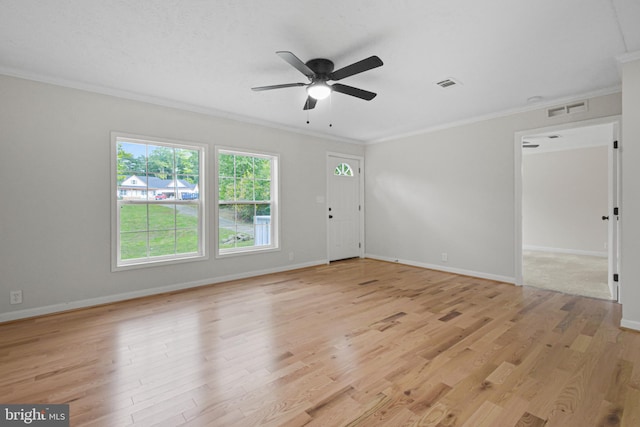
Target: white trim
x,y
163,102
360,175
614,121
630,324
602,254
499,114
462,272
628,57
92,302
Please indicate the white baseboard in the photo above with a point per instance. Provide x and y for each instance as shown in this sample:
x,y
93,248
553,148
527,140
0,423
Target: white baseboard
x,y
565,251
460,271
630,324
73,305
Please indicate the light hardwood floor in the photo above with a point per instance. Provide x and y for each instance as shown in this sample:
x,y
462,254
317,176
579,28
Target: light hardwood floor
x,y
358,342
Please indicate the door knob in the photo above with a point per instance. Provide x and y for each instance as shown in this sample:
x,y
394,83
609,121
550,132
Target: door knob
x,y
605,218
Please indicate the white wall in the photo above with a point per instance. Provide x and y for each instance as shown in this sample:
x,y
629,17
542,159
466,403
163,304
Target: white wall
x,y
630,206
564,195
55,244
452,191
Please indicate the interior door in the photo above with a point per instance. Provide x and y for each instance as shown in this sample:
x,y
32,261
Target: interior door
x,y
613,229
343,207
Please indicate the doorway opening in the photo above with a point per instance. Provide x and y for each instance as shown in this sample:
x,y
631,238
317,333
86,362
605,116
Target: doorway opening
x,y
566,192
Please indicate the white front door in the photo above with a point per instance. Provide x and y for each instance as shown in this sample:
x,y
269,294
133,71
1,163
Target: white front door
x,y
343,207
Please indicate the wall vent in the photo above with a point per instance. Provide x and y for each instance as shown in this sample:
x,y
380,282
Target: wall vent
x,y
447,83
574,107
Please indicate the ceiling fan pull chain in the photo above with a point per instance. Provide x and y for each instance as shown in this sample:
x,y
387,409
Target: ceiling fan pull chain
x,y
330,110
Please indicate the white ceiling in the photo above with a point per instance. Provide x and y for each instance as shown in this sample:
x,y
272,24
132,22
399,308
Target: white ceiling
x,y
206,55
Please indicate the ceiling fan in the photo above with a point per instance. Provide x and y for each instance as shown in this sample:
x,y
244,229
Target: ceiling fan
x,y
319,71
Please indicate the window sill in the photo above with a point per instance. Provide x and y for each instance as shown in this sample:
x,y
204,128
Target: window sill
x,y
240,252
137,264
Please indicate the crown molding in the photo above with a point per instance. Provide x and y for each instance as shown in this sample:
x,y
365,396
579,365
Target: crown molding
x,y
503,113
163,102
133,96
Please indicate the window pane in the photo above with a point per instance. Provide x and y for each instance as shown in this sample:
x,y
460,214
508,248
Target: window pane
x,y
133,245
133,218
225,165
244,167
162,243
262,168
343,169
131,168
162,217
168,186
244,189
262,225
187,216
236,226
188,187
160,162
263,209
187,161
131,159
263,190
187,241
227,226
226,189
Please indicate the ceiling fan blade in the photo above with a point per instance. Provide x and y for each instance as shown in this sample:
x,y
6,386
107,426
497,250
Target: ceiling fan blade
x,y
356,67
296,63
259,88
353,91
310,103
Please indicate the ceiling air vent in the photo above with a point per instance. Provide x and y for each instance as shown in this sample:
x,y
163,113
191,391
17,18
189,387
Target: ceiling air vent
x,y
447,83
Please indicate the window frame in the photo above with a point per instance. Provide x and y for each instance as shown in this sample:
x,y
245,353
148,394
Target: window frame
x,y
274,202
117,264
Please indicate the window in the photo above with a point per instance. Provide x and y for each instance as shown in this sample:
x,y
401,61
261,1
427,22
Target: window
x,y
247,202
158,208
343,169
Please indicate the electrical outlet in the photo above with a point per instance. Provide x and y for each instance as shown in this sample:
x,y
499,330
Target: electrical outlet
x,y
16,297
445,257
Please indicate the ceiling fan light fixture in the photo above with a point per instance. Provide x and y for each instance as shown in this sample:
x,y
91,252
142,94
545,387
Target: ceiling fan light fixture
x,y
319,90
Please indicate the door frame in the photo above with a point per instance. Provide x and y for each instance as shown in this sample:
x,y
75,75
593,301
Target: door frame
x,y
360,160
613,238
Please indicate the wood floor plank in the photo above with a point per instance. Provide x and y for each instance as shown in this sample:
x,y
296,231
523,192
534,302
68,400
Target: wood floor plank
x,y
357,342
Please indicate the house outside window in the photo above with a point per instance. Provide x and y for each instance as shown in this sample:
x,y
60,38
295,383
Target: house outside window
x,y
247,208
158,212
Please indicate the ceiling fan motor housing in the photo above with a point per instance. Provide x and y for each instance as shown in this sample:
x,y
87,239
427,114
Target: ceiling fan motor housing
x,y
322,67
